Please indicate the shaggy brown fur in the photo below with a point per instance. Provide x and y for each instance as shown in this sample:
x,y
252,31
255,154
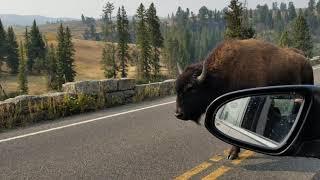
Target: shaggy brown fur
x,y
253,63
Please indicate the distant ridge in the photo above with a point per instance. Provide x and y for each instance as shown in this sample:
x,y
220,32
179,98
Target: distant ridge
x,y
26,20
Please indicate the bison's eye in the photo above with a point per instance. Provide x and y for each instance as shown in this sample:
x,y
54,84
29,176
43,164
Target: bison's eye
x,y
195,75
190,88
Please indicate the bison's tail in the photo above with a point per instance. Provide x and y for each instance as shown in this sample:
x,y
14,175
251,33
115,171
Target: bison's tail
x,y
307,74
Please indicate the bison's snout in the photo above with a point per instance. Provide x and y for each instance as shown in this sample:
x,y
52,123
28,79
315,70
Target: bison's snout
x,y
179,115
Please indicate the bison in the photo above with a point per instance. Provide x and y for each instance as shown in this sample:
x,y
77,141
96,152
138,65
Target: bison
x,y
235,65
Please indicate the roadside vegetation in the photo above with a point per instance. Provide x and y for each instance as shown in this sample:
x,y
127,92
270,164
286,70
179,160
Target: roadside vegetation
x,y
41,58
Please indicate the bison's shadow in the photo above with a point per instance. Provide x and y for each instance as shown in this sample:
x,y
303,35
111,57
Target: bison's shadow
x,y
296,164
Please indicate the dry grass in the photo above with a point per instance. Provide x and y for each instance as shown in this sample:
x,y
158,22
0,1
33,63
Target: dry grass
x,y
36,84
88,57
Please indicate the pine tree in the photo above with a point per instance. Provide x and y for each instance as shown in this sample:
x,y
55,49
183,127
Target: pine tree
x,y
27,48
143,41
235,27
133,29
37,49
283,6
284,39
234,21
318,8
108,63
104,66
69,72
275,6
65,56
61,57
123,39
13,54
52,68
203,15
311,5
107,27
310,15
83,19
22,76
301,35
278,22
3,44
93,29
156,38
292,11
171,54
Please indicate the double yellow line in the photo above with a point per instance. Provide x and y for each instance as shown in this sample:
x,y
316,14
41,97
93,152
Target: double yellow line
x,y
218,172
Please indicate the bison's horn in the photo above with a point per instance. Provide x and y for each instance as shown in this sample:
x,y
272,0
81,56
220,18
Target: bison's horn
x,y
203,73
179,68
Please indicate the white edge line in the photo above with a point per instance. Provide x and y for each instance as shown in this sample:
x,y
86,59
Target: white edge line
x,y
84,122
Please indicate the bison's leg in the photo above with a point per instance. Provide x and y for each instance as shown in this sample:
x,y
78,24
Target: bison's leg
x,y
234,153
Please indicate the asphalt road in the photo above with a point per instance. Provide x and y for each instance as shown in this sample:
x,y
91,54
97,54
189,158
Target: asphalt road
x,y
136,141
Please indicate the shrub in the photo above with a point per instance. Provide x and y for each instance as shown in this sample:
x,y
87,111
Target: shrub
x,y
78,104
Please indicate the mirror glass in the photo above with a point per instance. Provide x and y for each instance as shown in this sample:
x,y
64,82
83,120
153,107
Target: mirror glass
x,y
265,120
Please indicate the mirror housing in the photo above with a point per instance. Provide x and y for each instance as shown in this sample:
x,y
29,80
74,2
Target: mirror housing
x,y
304,138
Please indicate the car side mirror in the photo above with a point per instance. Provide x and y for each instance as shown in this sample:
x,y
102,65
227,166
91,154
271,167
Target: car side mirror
x,y
275,120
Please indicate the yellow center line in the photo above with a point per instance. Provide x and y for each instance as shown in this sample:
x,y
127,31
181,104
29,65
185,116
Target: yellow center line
x,y
216,158
218,172
215,174
242,157
223,169
226,152
194,171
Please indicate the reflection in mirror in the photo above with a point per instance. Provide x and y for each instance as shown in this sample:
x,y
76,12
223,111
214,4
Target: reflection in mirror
x,y
260,120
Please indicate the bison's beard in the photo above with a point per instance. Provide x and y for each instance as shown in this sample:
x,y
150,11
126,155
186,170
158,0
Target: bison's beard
x,y
189,117
196,119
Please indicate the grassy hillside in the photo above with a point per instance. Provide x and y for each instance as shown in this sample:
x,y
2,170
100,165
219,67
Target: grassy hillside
x,y
77,28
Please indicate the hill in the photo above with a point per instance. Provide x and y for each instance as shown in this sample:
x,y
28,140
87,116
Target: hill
x,y
76,26
26,20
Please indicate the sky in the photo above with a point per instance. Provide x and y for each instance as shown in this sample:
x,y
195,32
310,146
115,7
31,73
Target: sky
x,y
92,8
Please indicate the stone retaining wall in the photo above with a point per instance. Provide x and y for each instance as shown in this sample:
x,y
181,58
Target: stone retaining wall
x,y
78,97
315,62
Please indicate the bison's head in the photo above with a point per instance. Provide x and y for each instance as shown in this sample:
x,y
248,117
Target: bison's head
x,y
195,88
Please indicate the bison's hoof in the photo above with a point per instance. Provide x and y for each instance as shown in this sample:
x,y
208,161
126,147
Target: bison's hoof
x,y
233,156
